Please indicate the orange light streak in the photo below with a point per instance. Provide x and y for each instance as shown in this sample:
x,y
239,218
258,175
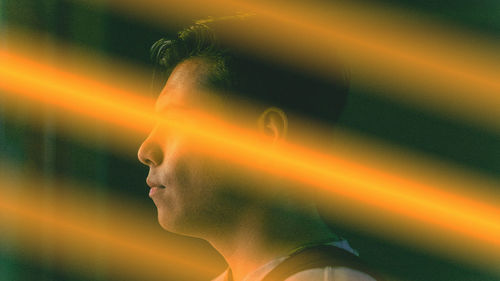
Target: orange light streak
x,y
427,205
440,68
63,89
123,237
386,191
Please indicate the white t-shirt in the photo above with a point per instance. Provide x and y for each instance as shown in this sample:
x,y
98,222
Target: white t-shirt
x,y
327,273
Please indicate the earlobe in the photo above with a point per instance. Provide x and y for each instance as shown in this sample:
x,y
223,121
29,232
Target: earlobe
x,y
273,122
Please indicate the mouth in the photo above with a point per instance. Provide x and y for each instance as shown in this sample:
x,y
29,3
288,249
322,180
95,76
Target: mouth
x,y
155,189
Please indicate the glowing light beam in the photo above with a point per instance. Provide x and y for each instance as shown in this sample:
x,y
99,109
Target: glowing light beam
x,y
442,69
438,217
130,246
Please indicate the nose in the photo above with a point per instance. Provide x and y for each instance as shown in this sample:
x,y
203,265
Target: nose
x,y
150,152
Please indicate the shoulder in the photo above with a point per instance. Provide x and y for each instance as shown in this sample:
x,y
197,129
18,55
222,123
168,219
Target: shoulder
x,y
330,274
222,276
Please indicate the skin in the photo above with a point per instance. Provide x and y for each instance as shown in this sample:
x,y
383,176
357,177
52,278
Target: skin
x,y
188,183
198,197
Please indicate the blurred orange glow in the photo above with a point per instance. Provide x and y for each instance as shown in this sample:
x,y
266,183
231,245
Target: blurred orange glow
x,y
428,209
75,59
402,57
123,237
28,78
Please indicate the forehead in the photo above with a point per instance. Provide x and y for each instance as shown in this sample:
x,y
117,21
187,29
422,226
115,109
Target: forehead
x,y
184,85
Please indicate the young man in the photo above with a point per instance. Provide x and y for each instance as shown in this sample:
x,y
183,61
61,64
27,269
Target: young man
x,y
200,196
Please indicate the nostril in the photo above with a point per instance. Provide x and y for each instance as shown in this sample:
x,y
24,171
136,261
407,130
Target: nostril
x,y
147,161
150,153
142,157
151,150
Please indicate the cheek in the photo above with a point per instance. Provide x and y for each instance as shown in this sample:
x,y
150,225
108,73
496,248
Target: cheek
x,y
195,178
199,176
183,171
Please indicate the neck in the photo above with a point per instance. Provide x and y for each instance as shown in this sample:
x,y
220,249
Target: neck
x,y
265,234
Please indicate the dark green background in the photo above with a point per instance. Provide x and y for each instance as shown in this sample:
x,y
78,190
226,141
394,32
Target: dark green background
x,y
105,31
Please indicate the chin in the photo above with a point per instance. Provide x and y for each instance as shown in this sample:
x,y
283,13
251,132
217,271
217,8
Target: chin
x,y
179,226
168,222
165,221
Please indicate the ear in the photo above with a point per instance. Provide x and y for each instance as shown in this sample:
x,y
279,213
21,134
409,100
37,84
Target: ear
x,y
273,122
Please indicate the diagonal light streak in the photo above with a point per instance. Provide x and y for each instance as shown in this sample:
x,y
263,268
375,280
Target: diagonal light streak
x,y
131,247
375,187
424,204
442,69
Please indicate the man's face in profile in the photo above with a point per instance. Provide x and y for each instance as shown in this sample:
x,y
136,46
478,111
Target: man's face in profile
x,y
185,187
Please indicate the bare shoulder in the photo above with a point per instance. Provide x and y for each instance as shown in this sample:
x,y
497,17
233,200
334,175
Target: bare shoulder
x,y
330,274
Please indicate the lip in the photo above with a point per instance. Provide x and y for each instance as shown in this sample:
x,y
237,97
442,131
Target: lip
x,y
154,190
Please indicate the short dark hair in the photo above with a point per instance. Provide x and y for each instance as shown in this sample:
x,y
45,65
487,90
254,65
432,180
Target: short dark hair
x,y
250,76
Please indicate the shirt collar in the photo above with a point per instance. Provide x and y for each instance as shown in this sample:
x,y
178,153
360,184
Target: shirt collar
x,y
260,272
